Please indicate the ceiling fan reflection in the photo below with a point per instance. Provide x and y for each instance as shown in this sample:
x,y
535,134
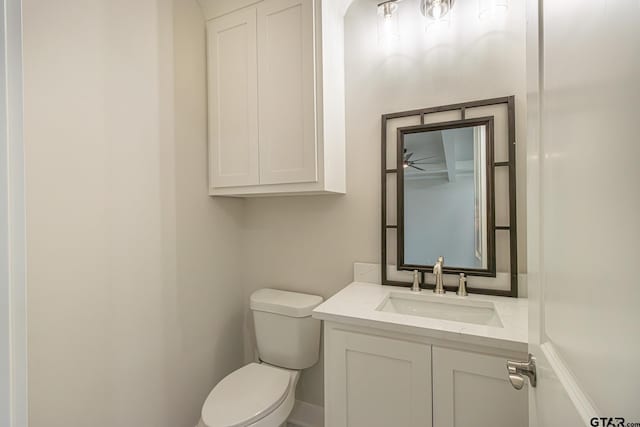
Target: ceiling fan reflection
x,y
409,163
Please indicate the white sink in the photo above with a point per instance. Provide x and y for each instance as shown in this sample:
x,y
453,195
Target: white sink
x,y
442,307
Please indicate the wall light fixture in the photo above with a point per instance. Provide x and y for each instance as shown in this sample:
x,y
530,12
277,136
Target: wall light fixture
x,y
435,9
436,12
388,21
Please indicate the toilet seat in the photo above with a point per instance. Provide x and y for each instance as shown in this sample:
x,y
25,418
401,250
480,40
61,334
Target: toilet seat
x,y
246,396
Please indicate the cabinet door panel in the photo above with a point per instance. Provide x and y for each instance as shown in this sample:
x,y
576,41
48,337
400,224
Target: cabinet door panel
x,y
286,70
377,382
472,390
233,99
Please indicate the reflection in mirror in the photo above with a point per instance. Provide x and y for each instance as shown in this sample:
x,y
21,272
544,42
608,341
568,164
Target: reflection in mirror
x,y
445,196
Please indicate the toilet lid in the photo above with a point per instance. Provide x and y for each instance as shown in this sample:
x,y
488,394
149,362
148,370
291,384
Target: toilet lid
x,y
245,396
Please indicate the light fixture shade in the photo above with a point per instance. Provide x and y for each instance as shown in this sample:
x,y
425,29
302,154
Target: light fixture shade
x,y
492,8
437,13
388,22
435,9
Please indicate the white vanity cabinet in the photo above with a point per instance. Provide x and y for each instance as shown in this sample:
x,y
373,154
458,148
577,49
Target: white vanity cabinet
x,y
378,378
276,99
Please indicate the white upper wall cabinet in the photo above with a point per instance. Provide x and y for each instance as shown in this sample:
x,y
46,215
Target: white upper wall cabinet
x,y
275,127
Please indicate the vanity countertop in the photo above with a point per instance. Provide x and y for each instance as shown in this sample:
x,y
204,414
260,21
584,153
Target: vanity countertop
x,y
357,304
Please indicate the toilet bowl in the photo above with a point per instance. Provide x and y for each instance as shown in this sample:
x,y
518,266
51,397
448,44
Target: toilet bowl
x,y
256,395
288,340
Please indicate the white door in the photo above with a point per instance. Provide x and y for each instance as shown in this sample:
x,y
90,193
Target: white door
x,y
233,99
584,211
376,381
471,390
286,69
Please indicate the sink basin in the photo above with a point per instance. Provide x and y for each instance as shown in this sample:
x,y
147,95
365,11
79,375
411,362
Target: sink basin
x,y
439,307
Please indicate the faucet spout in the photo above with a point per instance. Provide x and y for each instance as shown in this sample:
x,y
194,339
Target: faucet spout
x,y
437,271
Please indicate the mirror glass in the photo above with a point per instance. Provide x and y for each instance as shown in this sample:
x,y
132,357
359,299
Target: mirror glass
x,y
444,195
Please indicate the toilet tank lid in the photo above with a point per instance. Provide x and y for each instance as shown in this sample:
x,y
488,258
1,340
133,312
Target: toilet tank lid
x,y
292,304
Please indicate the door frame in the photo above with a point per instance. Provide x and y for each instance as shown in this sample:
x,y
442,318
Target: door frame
x,y
13,328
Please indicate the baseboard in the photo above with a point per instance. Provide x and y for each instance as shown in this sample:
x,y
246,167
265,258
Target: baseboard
x,y
306,415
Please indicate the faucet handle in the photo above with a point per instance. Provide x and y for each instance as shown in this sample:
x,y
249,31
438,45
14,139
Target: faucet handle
x,y
416,282
462,286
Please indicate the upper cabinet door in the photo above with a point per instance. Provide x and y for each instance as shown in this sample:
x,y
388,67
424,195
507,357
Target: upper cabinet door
x,y
286,64
233,100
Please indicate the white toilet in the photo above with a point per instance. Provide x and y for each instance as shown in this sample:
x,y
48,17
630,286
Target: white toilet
x,y
263,394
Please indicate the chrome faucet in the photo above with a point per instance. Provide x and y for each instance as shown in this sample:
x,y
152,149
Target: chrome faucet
x,y
437,271
416,282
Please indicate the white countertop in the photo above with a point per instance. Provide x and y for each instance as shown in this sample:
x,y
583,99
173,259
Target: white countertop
x,y
356,304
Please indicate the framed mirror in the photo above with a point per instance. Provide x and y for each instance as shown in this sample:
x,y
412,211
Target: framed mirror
x,y
446,197
448,176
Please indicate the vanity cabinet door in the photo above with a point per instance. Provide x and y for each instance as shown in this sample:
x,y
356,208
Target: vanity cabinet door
x,y
373,381
473,390
233,99
286,76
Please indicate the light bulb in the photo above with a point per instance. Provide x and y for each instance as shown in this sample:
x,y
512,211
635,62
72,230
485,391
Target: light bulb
x,y
388,11
437,10
437,13
388,23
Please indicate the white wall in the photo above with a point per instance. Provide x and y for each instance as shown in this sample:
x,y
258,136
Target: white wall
x,y
308,244
134,304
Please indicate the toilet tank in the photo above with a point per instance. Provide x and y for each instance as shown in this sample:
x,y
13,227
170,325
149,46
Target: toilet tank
x,y
286,334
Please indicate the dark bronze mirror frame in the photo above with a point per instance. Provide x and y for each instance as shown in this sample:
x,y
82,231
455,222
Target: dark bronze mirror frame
x,y
511,228
490,271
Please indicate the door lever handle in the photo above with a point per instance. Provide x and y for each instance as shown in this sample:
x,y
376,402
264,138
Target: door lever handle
x,y
518,370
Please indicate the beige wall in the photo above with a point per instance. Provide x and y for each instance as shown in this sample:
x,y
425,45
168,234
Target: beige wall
x,y
308,244
134,303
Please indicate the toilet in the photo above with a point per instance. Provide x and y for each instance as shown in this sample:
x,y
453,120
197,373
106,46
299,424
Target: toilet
x,y
288,341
